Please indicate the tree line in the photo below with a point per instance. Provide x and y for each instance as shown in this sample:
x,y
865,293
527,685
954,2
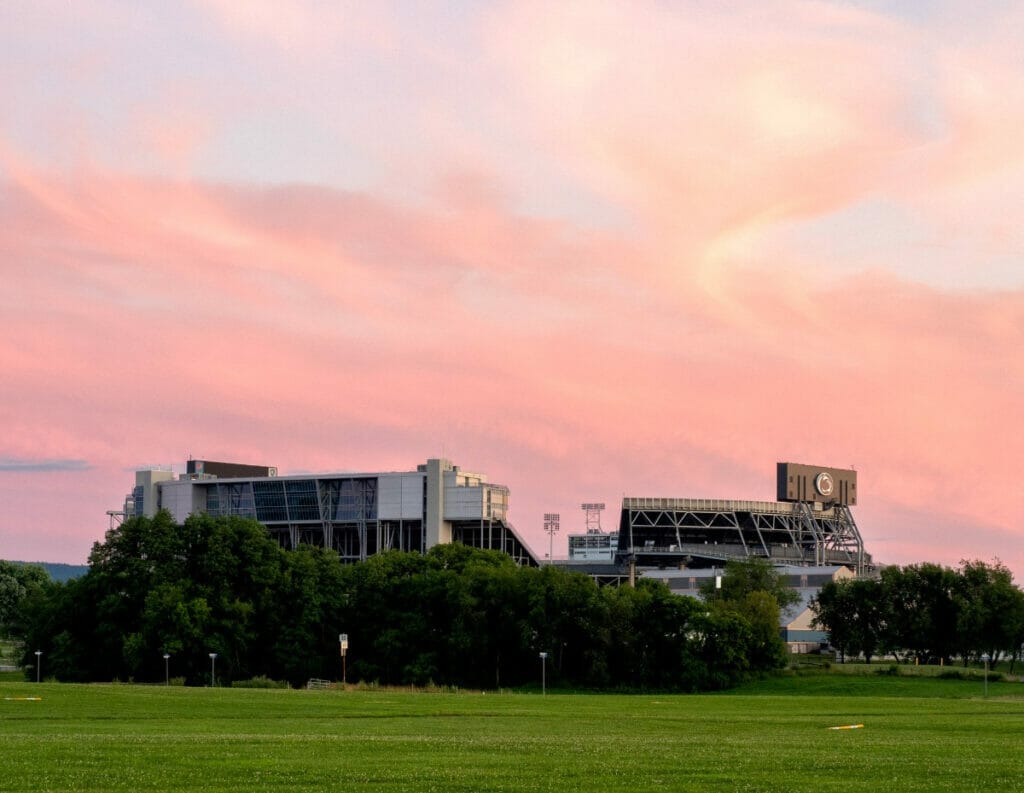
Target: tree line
x,y
453,616
927,613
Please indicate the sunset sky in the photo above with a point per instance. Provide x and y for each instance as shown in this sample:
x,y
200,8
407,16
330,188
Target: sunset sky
x,y
590,249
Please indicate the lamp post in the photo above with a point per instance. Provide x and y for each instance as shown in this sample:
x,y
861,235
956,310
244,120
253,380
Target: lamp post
x,y
39,655
343,642
213,669
985,659
167,669
543,674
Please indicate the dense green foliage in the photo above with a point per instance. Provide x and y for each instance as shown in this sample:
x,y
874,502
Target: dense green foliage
x,y
754,591
771,737
17,583
926,612
454,616
745,577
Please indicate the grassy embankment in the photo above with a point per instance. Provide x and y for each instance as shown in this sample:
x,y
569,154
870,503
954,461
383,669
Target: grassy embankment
x,y
919,734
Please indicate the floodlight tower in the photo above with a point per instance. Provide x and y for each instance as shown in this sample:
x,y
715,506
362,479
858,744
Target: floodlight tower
x,y
551,526
593,517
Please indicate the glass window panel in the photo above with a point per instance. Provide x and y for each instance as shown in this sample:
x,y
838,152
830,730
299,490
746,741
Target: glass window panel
x,y
303,503
269,500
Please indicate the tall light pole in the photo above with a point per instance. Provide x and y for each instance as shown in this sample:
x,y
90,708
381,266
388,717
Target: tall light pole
x,y
551,525
213,669
593,517
39,655
167,669
543,674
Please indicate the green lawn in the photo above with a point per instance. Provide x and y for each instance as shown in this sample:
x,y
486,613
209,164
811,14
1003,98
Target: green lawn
x,y
918,735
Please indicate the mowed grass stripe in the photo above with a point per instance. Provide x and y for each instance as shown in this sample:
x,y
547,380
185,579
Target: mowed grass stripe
x,y
103,738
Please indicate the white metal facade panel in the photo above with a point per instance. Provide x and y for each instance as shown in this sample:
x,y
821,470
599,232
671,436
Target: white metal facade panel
x,y
177,498
464,503
400,496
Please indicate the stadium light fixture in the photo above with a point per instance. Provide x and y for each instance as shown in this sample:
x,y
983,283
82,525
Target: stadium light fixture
x,y
551,525
592,511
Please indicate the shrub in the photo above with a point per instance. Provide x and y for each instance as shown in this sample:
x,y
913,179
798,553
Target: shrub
x,y
259,682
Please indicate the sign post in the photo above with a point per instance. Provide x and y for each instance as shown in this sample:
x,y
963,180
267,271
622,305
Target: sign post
x,y
343,641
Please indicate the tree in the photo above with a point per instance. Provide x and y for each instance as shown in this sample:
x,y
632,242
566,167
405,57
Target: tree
x,y
754,590
16,582
744,576
724,637
154,587
922,606
852,611
991,611
307,616
455,615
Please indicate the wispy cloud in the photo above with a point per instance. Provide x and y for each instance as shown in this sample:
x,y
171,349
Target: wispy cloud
x,y
15,465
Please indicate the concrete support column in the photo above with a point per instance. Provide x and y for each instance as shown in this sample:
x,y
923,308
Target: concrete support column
x,y
438,530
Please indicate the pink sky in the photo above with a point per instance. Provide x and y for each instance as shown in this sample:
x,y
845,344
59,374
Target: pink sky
x,y
590,249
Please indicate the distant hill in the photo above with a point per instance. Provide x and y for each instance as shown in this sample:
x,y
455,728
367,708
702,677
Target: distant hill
x,y
59,571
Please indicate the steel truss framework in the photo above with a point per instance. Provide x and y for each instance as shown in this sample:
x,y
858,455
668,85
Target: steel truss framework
x,y
494,535
341,514
705,532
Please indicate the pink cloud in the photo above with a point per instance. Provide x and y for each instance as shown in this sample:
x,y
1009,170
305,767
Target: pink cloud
x,y
149,317
266,334
708,123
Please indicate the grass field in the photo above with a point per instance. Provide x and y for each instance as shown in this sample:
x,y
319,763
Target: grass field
x,y
920,734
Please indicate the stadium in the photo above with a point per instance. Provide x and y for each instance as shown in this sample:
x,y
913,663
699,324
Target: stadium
x,y
810,524
808,532
355,514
